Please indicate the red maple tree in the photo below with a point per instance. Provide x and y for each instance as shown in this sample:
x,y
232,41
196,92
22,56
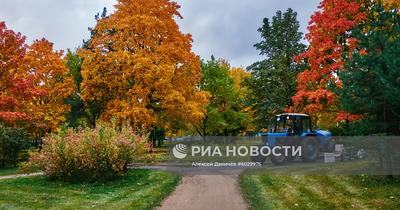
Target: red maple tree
x,y
329,41
14,85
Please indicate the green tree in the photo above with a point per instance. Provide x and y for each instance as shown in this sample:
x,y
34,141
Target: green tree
x,y
224,114
97,17
82,114
77,116
371,80
273,80
13,141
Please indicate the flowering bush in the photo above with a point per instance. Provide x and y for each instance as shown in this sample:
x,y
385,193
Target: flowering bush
x,y
90,154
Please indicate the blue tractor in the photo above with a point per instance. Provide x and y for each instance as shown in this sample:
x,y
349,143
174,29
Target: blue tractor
x,y
293,129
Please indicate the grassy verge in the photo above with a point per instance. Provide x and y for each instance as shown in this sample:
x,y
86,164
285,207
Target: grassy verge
x,y
139,189
158,155
265,191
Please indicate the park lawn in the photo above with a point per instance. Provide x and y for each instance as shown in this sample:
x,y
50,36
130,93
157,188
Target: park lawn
x,y
264,191
139,189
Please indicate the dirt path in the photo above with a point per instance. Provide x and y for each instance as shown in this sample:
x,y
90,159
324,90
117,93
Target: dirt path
x,y
20,175
199,192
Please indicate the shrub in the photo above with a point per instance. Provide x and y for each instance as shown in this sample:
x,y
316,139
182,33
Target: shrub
x,y
363,127
89,155
12,142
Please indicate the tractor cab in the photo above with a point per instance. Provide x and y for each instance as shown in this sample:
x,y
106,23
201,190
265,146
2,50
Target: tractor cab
x,y
291,124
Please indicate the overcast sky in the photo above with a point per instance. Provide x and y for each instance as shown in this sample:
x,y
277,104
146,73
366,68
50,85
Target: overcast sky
x,y
224,28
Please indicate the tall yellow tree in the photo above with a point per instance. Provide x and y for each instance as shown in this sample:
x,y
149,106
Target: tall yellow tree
x,y
138,66
52,80
239,75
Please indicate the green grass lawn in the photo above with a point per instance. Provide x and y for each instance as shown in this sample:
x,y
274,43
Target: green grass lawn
x,y
8,171
139,189
264,191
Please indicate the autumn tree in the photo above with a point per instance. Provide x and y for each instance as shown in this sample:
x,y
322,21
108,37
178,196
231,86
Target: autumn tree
x,y
52,79
388,4
34,83
273,80
329,41
15,86
138,67
239,77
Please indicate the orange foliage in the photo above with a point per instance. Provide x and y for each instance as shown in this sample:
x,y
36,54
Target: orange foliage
x,y
52,79
140,66
344,116
391,3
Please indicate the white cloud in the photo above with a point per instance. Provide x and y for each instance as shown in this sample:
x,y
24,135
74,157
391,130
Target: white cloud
x,y
63,22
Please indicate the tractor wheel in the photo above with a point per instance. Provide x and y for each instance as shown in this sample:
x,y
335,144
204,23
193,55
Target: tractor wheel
x,y
260,158
278,160
309,150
